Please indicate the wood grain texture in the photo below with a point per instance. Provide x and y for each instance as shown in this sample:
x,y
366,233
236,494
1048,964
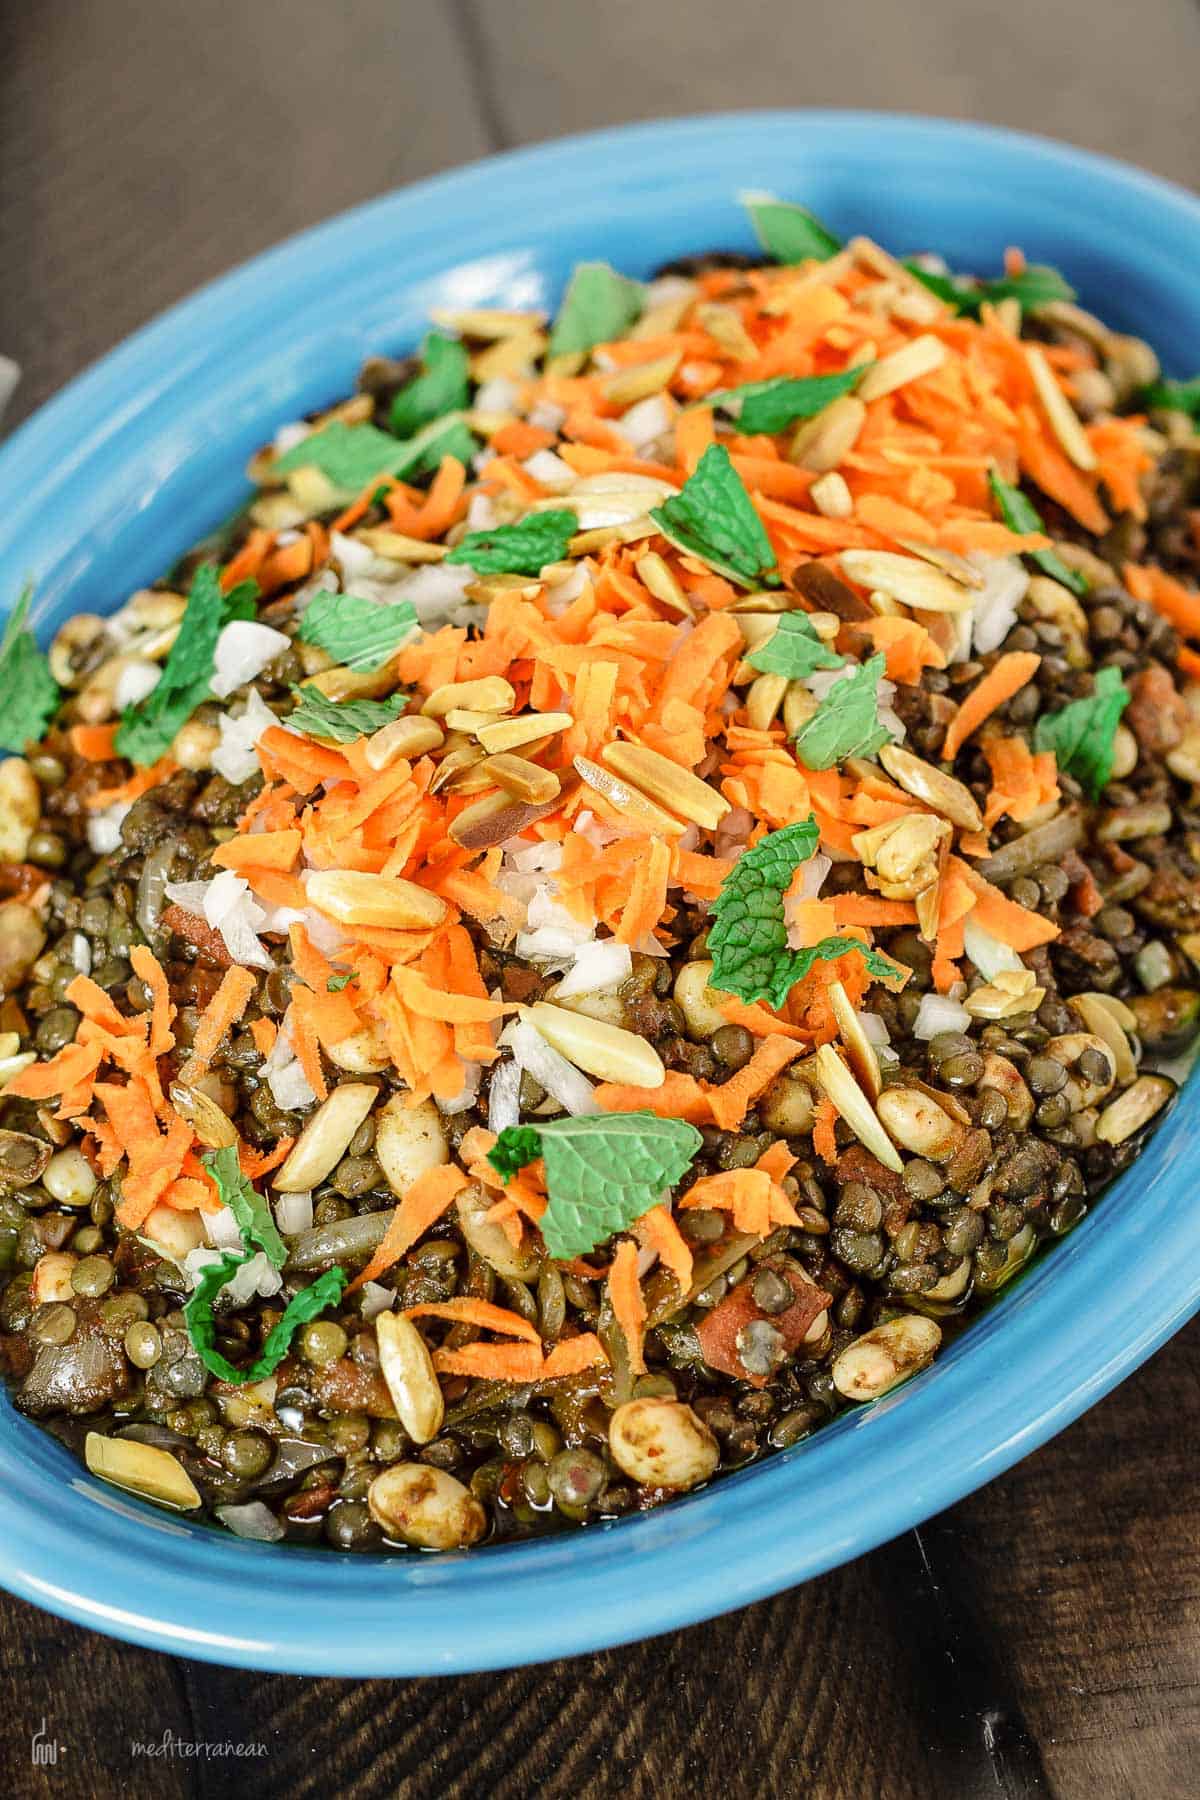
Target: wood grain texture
x,y
1042,1638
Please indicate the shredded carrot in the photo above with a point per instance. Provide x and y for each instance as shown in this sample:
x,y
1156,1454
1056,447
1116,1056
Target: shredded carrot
x,y
629,1307
469,1311
656,1230
256,1163
1006,677
261,850
824,1139
219,1016
731,1101
427,1199
573,1355
94,743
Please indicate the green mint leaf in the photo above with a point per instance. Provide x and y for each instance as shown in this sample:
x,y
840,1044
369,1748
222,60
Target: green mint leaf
x,y
340,722
360,634
603,1171
1081,734
748,937
1174,396
350,456
325,1291
336,983
443,386
247,1206
598,306
846,723
790,233
713,517
1020,514
28,691
521,549
1036,285
793,650
516,1146
148,730
771,406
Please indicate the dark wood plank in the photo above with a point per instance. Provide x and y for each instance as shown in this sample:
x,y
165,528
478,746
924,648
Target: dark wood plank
x,y
1128,90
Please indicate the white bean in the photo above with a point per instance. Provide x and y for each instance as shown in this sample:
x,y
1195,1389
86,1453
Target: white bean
x,y
69,1178
426,1507
881,1359
490,1240
408,1141
662,1443
20,808
697,1000
52,1277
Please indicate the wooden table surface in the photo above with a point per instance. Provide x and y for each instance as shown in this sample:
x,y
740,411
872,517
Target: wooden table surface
x,y
1041,1638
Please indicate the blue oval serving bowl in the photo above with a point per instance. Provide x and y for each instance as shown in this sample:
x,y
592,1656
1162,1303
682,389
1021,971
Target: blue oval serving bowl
x,y
144,454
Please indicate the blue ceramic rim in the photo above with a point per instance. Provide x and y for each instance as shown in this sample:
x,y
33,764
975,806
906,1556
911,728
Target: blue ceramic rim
x,y
1106,1298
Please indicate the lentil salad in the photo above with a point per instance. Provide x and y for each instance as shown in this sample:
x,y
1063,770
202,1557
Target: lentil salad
x,y
865,957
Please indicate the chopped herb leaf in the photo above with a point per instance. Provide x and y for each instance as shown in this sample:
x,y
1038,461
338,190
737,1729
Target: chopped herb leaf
x,y
325,1291
350,456
794,650
599,305
846,723
247,1206
602,1172
28,691
340,722
790,233
1036,285
148,730
360,634
771,406
713,517
521,549
336,983
1020,514
1174,396
748,938
443,386
1081,734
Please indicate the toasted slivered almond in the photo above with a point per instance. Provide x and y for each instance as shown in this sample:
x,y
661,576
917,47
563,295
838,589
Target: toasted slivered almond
x,y
463,718
340,683
311,490
873,257
953,799
214,1128
487,424
459,757
763,701
599,538
141,1469
654,573
907,579
918,358
928,904
860,1052
491,587
1103,1020
500,816
511,734
641,380
410,736
821,443
665,781
851,1104
487,321
490,694
799,705
724,325
1134,1108
396,546
608,1052
831,497
957,567
664,317
354,897
510,356
324,1140
757,627
407,1369
916,1120
524,779
771,601
627,799
1059,411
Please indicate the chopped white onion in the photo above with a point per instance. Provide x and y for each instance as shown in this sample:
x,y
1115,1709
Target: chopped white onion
x,y
873,1028
289,1085
504,1097
235,756
467,1094
481,512
438,594
137,680
104,827
546,415
989,955
601,964
995,609
561,1079
225,903
81,953
812,877
541,855
499,395
937,1013
376,1299
294,1212
222,1228
353,556
244,648
251,1519
550,470
649,420
288,436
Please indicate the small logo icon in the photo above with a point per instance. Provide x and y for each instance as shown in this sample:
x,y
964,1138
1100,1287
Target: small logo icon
x,y
44,1751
